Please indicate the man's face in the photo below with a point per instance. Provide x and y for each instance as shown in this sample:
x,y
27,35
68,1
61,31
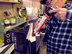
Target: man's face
x,y
59,3
54,3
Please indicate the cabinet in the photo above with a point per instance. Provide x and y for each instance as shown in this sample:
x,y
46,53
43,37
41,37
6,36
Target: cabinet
x,y
7,5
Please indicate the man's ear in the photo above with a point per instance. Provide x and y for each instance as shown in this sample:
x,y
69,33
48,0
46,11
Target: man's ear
x,y
43,2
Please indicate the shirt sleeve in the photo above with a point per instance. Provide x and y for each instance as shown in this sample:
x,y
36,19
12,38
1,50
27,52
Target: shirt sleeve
x,y
69,15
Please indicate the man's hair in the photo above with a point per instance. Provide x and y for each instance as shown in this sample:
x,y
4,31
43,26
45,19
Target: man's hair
x,y
43,2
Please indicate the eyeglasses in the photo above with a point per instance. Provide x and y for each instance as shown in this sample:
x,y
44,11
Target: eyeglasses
x,y
48,1
53,2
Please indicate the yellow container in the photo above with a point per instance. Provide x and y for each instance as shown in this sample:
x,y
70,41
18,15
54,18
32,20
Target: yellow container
x,y
1,41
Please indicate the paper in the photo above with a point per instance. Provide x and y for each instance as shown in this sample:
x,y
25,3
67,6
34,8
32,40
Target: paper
x,y
2,48
30,37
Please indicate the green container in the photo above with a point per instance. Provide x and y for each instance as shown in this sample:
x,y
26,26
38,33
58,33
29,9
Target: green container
x,y
1,32
1,26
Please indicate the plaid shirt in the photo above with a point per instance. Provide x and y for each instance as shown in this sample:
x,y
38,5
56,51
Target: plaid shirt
x,y
59,34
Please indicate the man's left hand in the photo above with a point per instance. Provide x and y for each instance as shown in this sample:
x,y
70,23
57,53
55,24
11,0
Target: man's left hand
x,y
60,13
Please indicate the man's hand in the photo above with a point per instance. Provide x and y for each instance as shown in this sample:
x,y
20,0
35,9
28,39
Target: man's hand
x,y
60,13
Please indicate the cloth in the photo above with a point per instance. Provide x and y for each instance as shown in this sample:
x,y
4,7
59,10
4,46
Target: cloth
x,y
59,34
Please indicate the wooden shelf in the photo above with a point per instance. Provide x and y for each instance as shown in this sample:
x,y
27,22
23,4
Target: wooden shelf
x,y
8,2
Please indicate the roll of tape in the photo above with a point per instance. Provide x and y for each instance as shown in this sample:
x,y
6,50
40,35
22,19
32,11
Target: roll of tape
x,y
8,40
8,35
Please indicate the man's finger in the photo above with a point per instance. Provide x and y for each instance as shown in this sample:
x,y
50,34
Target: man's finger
x,y
57,7
55,10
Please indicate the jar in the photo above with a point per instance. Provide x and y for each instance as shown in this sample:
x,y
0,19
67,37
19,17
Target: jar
x,y
7,23
12,21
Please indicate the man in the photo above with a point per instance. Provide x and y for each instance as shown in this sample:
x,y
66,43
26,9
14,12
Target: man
x,y
59,30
